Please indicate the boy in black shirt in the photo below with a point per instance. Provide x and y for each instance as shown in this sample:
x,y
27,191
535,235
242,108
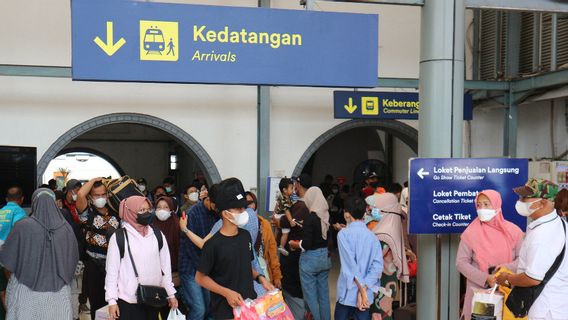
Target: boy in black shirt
x,y
225,265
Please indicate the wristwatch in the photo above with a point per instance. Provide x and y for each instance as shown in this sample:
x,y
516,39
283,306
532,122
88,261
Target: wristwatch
x,y
257,279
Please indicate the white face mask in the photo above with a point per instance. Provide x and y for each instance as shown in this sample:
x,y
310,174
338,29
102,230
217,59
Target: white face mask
x,y
486,214
163,215
523,208
100,202
239,219
74,197
193,197
142,187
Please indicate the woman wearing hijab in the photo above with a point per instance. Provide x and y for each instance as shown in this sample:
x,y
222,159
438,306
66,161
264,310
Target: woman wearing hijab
x,y
314,261
389,230
44,239
488,242
152,264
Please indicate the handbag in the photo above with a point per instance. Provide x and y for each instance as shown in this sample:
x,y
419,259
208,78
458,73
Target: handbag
x,y
521,299
153,296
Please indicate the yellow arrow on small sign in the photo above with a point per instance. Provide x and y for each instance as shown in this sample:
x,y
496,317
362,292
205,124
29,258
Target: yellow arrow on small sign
x,y
109,47
350,107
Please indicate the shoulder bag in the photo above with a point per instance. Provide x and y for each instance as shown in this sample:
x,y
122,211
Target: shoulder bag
x,y
153,296
521,299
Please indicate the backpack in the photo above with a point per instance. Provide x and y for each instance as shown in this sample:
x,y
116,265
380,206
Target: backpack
x,y
120,239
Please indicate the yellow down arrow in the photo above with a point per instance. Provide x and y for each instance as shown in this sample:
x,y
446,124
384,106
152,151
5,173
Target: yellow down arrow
x,y
350,107
109,47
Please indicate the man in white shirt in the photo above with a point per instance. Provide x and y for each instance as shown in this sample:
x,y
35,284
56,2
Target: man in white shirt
x,y
543,243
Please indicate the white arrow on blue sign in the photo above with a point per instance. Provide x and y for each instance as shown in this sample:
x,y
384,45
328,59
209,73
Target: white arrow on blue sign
x,y
443,191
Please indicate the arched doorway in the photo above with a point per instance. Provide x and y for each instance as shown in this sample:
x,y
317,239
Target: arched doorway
x,y
374,140
108,127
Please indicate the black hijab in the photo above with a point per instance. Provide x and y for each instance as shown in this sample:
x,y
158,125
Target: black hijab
x,y
41,250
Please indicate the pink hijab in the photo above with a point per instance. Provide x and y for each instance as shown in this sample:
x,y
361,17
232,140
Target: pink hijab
x,y
493,241
129,209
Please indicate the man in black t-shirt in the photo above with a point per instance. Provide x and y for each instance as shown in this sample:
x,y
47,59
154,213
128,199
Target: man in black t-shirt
x,y
225,265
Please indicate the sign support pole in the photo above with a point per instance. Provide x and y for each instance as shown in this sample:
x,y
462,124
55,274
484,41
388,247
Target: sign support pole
x,y
263,137
441,129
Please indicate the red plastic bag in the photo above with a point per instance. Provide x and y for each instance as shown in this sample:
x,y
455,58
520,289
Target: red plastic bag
x,y
271,306
412,268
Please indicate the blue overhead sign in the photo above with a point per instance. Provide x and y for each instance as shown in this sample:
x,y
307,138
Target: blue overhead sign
x,y
384,105
180,43
443,191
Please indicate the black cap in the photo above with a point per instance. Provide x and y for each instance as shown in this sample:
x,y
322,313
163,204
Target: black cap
x,y
305,180
230,195
141,181
371,175
72,184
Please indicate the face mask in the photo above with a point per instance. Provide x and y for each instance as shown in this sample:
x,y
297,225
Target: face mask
x,y
376,214
145,218
486,214
163,215
100,202
335,190
240,219
523,208
74,197
168,189
142,187
193,197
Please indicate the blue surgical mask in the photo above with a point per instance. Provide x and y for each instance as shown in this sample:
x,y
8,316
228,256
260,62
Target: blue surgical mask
x,y
376,214
168,189
294,197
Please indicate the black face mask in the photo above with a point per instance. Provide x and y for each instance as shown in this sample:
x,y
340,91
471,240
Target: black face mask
x,y
145,218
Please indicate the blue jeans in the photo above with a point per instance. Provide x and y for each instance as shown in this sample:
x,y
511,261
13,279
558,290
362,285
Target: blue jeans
x,y
343,312
195,297
314,271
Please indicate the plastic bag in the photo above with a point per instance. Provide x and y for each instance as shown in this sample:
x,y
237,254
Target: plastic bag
x,y
487,303
271,306
175,314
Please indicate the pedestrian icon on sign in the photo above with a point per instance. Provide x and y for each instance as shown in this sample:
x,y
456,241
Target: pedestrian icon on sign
x,y
171,46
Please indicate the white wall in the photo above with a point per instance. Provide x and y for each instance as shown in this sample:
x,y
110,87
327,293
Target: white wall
x,y
222,119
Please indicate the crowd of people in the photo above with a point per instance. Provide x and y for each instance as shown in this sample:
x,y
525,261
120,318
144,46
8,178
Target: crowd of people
x,y
206,251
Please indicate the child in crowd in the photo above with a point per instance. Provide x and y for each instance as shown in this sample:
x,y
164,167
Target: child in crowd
x,y
283,204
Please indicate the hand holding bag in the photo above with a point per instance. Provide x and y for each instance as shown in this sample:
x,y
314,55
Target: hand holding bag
x,y
521,299
153,296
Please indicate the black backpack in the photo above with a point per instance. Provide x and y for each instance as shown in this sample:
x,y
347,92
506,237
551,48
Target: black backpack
x,y
120,239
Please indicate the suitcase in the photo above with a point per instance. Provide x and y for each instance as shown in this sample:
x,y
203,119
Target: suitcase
x,y
120,189
408,312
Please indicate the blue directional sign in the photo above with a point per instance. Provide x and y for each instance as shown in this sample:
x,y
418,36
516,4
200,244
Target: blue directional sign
x,y
159,42
443,191
384,105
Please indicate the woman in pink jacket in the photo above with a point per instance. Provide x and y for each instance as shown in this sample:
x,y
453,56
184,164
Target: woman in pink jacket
x,y
488,242
153,265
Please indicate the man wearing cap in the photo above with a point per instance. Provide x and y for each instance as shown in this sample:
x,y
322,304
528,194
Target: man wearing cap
x,y
543,244
371,184
12,212
70,202
225,264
